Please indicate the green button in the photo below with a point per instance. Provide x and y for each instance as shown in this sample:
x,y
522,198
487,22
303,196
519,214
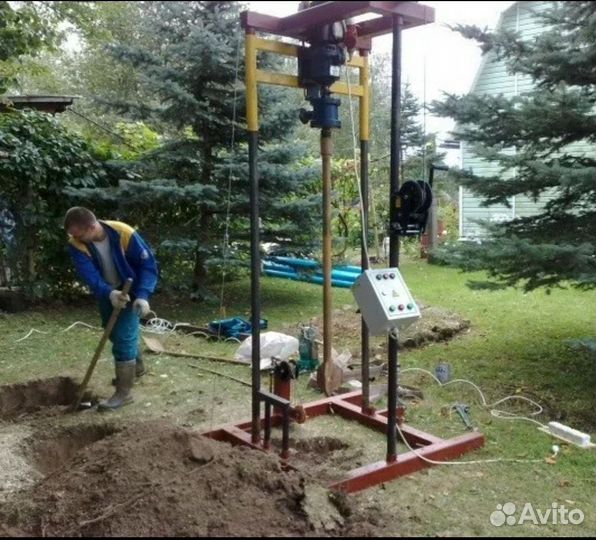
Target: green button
x,y
410,306
391,308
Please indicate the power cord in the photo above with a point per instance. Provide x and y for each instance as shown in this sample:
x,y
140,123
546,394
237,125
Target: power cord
x,y
504,415
494,412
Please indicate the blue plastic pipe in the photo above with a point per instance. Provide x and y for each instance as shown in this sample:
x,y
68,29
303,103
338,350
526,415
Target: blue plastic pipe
x,y
287,275
298,263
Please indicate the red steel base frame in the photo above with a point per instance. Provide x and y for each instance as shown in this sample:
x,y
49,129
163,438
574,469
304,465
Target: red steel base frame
x,y
349,406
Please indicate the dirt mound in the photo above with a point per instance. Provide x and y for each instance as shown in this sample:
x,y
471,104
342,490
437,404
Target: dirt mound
x,y
434,325
51,450
155,479
17,400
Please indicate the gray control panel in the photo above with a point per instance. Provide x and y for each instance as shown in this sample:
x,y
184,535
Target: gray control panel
x,y
384,300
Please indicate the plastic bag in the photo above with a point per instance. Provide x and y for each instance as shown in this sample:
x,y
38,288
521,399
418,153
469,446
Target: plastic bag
x,y
272,344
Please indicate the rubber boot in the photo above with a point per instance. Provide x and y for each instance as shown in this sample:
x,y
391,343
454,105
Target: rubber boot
x,y
139,368
125,375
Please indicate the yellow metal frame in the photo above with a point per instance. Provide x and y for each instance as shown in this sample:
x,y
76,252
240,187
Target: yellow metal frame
x,y
255,76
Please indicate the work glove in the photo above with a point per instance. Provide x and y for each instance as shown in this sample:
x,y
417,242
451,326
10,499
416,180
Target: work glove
x,y
141,307
119,299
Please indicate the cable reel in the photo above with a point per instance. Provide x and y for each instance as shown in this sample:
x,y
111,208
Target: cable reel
x,y
413,202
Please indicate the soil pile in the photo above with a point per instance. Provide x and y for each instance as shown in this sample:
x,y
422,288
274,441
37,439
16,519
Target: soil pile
x,y
434,325
155,479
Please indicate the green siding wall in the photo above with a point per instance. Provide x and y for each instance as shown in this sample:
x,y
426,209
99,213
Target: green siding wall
x,y
492,78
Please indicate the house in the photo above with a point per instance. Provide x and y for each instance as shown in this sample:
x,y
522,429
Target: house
x,y
492,78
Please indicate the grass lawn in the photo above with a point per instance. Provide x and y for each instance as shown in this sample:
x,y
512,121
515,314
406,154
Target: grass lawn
x,y
517,345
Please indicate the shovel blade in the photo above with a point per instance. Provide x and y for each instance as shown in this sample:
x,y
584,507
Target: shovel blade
x,y
154,344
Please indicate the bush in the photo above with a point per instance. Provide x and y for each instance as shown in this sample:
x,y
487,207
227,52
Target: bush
x,y
40,159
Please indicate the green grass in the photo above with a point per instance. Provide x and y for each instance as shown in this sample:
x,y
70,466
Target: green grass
x,y
516,345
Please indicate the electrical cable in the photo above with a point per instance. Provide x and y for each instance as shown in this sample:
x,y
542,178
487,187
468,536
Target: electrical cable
x,y
472,462
157,325
511,417
34,330
30,333
505,415
356,174
226,239
100,126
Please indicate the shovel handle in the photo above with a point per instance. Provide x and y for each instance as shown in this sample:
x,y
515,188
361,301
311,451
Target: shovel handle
x,y
106,334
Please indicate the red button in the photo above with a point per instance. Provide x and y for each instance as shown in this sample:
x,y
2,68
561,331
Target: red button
x,y
401,307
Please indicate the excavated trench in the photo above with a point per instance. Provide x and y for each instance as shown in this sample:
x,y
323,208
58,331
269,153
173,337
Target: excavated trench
x,y
73,475
43,396
156,479
33,444
29,454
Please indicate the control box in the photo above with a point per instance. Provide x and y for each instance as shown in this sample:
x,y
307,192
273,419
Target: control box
x,y
384,300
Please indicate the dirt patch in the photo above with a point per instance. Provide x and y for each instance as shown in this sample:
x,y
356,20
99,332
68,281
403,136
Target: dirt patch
x,y
155,479
314,454
329,459
434,325
318,445
18,400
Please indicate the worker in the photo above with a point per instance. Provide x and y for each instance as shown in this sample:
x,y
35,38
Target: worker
x,y
105,254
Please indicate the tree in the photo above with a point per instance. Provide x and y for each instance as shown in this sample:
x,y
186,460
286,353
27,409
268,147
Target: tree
x,y
191,91
86,68
556,246
22,32
30,29
413,137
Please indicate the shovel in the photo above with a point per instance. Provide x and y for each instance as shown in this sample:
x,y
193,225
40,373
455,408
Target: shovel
x,y
106,334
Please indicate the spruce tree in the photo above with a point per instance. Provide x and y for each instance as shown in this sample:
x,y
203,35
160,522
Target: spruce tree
x,y
556,246
191,91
